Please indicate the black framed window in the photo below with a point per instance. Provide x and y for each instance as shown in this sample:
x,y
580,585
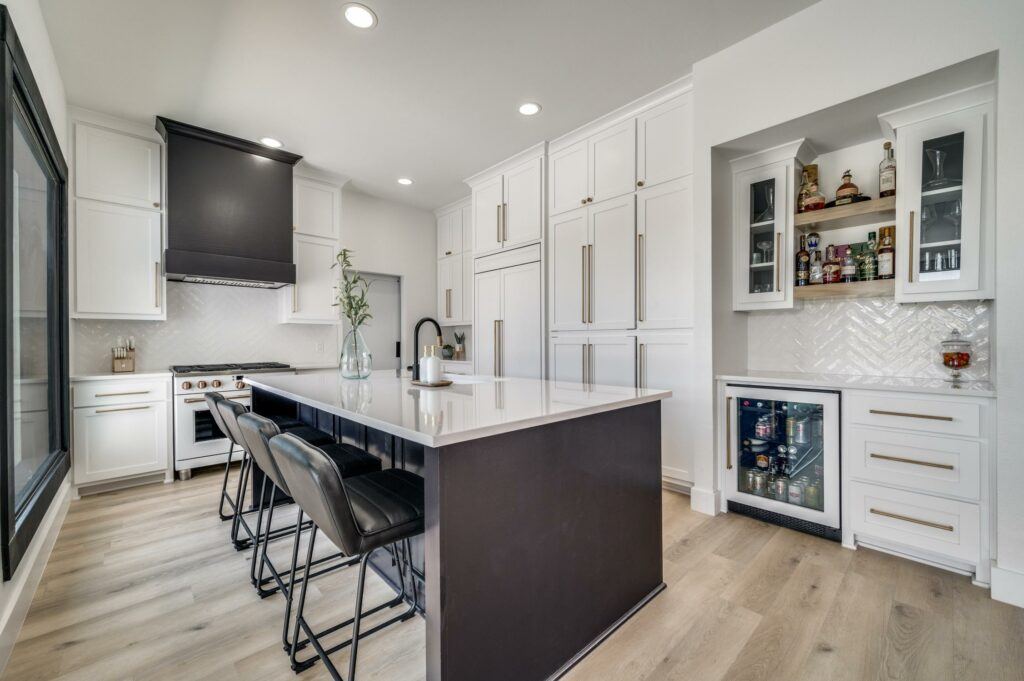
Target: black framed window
x,y
34,448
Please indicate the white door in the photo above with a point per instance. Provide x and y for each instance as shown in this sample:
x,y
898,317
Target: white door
x,y
449,283
467,228
665,362
383,332
467,286
118,441
568,183
939,211
118,255
568,356
524,209
761,208
455,228
613,162
316,208
444,277
311,299
568,239
444,247
521,353
486,318
116,167
612,361
487,209
664,142
664,228
612,271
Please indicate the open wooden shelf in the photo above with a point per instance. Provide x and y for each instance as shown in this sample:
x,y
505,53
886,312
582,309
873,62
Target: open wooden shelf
x,y
878,288
850,215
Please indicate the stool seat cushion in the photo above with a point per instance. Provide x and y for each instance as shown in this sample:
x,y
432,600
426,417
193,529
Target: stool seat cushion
x,y
351,460
286,422
386,506
311,435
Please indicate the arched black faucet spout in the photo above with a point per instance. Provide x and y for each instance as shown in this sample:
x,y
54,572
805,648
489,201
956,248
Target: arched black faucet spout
x,y
416,344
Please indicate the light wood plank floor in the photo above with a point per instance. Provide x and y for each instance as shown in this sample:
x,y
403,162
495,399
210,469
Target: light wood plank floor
x,y
142,585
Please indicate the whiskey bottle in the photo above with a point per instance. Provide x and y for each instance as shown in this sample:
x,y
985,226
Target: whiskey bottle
x,y
869,260
887,173
803,263
886,254
848,271
817,273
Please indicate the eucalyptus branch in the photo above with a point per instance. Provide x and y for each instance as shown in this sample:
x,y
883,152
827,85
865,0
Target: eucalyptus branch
x,y
351,295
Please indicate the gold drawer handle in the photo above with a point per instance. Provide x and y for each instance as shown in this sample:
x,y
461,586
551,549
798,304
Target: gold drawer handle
x,y
916,521
931,417
105,411
899,459
728,433
134,392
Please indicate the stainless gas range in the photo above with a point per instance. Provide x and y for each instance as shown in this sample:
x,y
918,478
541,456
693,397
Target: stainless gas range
x,y
197,439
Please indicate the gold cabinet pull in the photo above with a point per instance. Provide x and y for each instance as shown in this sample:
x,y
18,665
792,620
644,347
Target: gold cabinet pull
x,y
916,521
643,365
778,259
501,347
497,224
583,358
583,285
156,284
910,250
504,222
496,347
909,415
295,298
107,411
916,462
728,433
133,392
642,275
590,283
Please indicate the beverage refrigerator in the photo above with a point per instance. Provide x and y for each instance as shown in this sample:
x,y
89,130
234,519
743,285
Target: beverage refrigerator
x,y
782,457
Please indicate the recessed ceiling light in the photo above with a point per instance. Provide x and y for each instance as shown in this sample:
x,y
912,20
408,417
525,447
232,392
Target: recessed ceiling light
x,y
271,142
360,16
529,108
404,181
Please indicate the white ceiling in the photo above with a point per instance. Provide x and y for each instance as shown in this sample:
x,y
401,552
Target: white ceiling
x,y
430,93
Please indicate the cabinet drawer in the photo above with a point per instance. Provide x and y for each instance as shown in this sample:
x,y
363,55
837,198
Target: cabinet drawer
x,y
930,415
940,526
99,393
930,464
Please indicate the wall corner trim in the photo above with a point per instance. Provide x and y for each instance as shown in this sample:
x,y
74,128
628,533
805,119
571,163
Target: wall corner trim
x,y
1008,586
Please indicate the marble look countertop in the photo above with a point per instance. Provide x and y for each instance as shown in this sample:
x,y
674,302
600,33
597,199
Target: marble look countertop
x,y
936,386
473,407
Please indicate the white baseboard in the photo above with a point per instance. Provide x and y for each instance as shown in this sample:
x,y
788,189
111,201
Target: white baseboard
x,y
16,595
704,500
1008,586
675,485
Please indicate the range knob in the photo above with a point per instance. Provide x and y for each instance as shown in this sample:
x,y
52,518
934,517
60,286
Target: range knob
x,y
186,385
216,383
239,384
201,384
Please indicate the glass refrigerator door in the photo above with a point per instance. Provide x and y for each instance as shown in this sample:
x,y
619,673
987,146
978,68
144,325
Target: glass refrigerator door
x,y
784,452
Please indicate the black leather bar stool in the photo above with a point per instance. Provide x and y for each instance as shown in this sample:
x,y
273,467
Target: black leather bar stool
x,y
256,432
227,422
359,515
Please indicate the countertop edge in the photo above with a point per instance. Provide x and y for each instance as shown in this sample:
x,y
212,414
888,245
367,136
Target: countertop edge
x,y
76,378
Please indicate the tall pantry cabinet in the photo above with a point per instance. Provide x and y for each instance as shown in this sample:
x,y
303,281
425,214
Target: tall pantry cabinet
x,y
619,260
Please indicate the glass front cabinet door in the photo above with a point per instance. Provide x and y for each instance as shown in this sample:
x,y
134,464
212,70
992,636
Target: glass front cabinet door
x,y
943,202
763,204
782,455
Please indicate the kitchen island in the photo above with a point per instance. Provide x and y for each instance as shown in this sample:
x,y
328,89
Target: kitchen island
x,y
543,507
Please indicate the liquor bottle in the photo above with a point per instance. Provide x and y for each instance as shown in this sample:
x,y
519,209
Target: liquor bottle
x,y
831,269
886,254
848,272
887,173
803,263
816,268
869,261
847,191
810,198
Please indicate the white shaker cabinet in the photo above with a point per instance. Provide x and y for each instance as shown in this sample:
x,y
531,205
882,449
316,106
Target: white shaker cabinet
x,y
311,299
612,162
449,233
118,253
507,203
450,290
316,208
117,167
664,142
664,232
488,200
568,183
586,362
508,324
665,361
568,239
945,197
524,208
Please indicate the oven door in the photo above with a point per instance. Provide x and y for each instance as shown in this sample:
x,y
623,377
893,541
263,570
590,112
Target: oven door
x,y
196,434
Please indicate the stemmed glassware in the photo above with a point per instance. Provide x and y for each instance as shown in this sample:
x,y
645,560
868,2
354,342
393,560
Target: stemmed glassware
x,y
769,198
937,158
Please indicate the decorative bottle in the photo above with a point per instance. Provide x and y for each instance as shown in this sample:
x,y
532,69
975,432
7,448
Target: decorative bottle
x,y
886,254
803,263
887,173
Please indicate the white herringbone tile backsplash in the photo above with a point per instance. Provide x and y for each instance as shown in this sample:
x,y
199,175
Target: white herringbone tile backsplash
x,y
206,324
869,337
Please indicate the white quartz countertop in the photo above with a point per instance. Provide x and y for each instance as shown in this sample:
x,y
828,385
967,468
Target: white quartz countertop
x,y
473,407
935,386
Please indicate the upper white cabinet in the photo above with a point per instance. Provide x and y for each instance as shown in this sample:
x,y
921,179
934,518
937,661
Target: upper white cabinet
x,y
508,325
455,264
664,142
764,194
467,227
945,197
664,232
569,184
316,208
450,291
592,267
612,162
311,299
116,230
117,167
452,228
507,205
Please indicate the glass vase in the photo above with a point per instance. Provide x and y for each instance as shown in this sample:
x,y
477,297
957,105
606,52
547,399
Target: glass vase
x,y
356,360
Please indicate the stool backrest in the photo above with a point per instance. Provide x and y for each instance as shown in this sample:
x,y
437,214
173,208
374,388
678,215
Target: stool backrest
x,y
229,411
213,399
316,485
256,432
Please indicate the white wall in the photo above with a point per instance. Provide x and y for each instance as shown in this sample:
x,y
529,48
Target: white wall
x,y
389,238
753,85
16,594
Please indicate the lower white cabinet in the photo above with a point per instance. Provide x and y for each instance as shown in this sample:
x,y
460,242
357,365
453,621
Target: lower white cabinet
x,y
508,325
311,299
118,435
586,362
665,361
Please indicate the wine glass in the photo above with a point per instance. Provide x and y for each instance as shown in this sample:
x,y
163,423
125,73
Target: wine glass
x,y
937,158
769,199
764,247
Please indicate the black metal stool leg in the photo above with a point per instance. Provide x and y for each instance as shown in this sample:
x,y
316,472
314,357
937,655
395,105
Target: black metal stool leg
x,y
300,606
241,544
259,540
291,583
359,612
224,489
